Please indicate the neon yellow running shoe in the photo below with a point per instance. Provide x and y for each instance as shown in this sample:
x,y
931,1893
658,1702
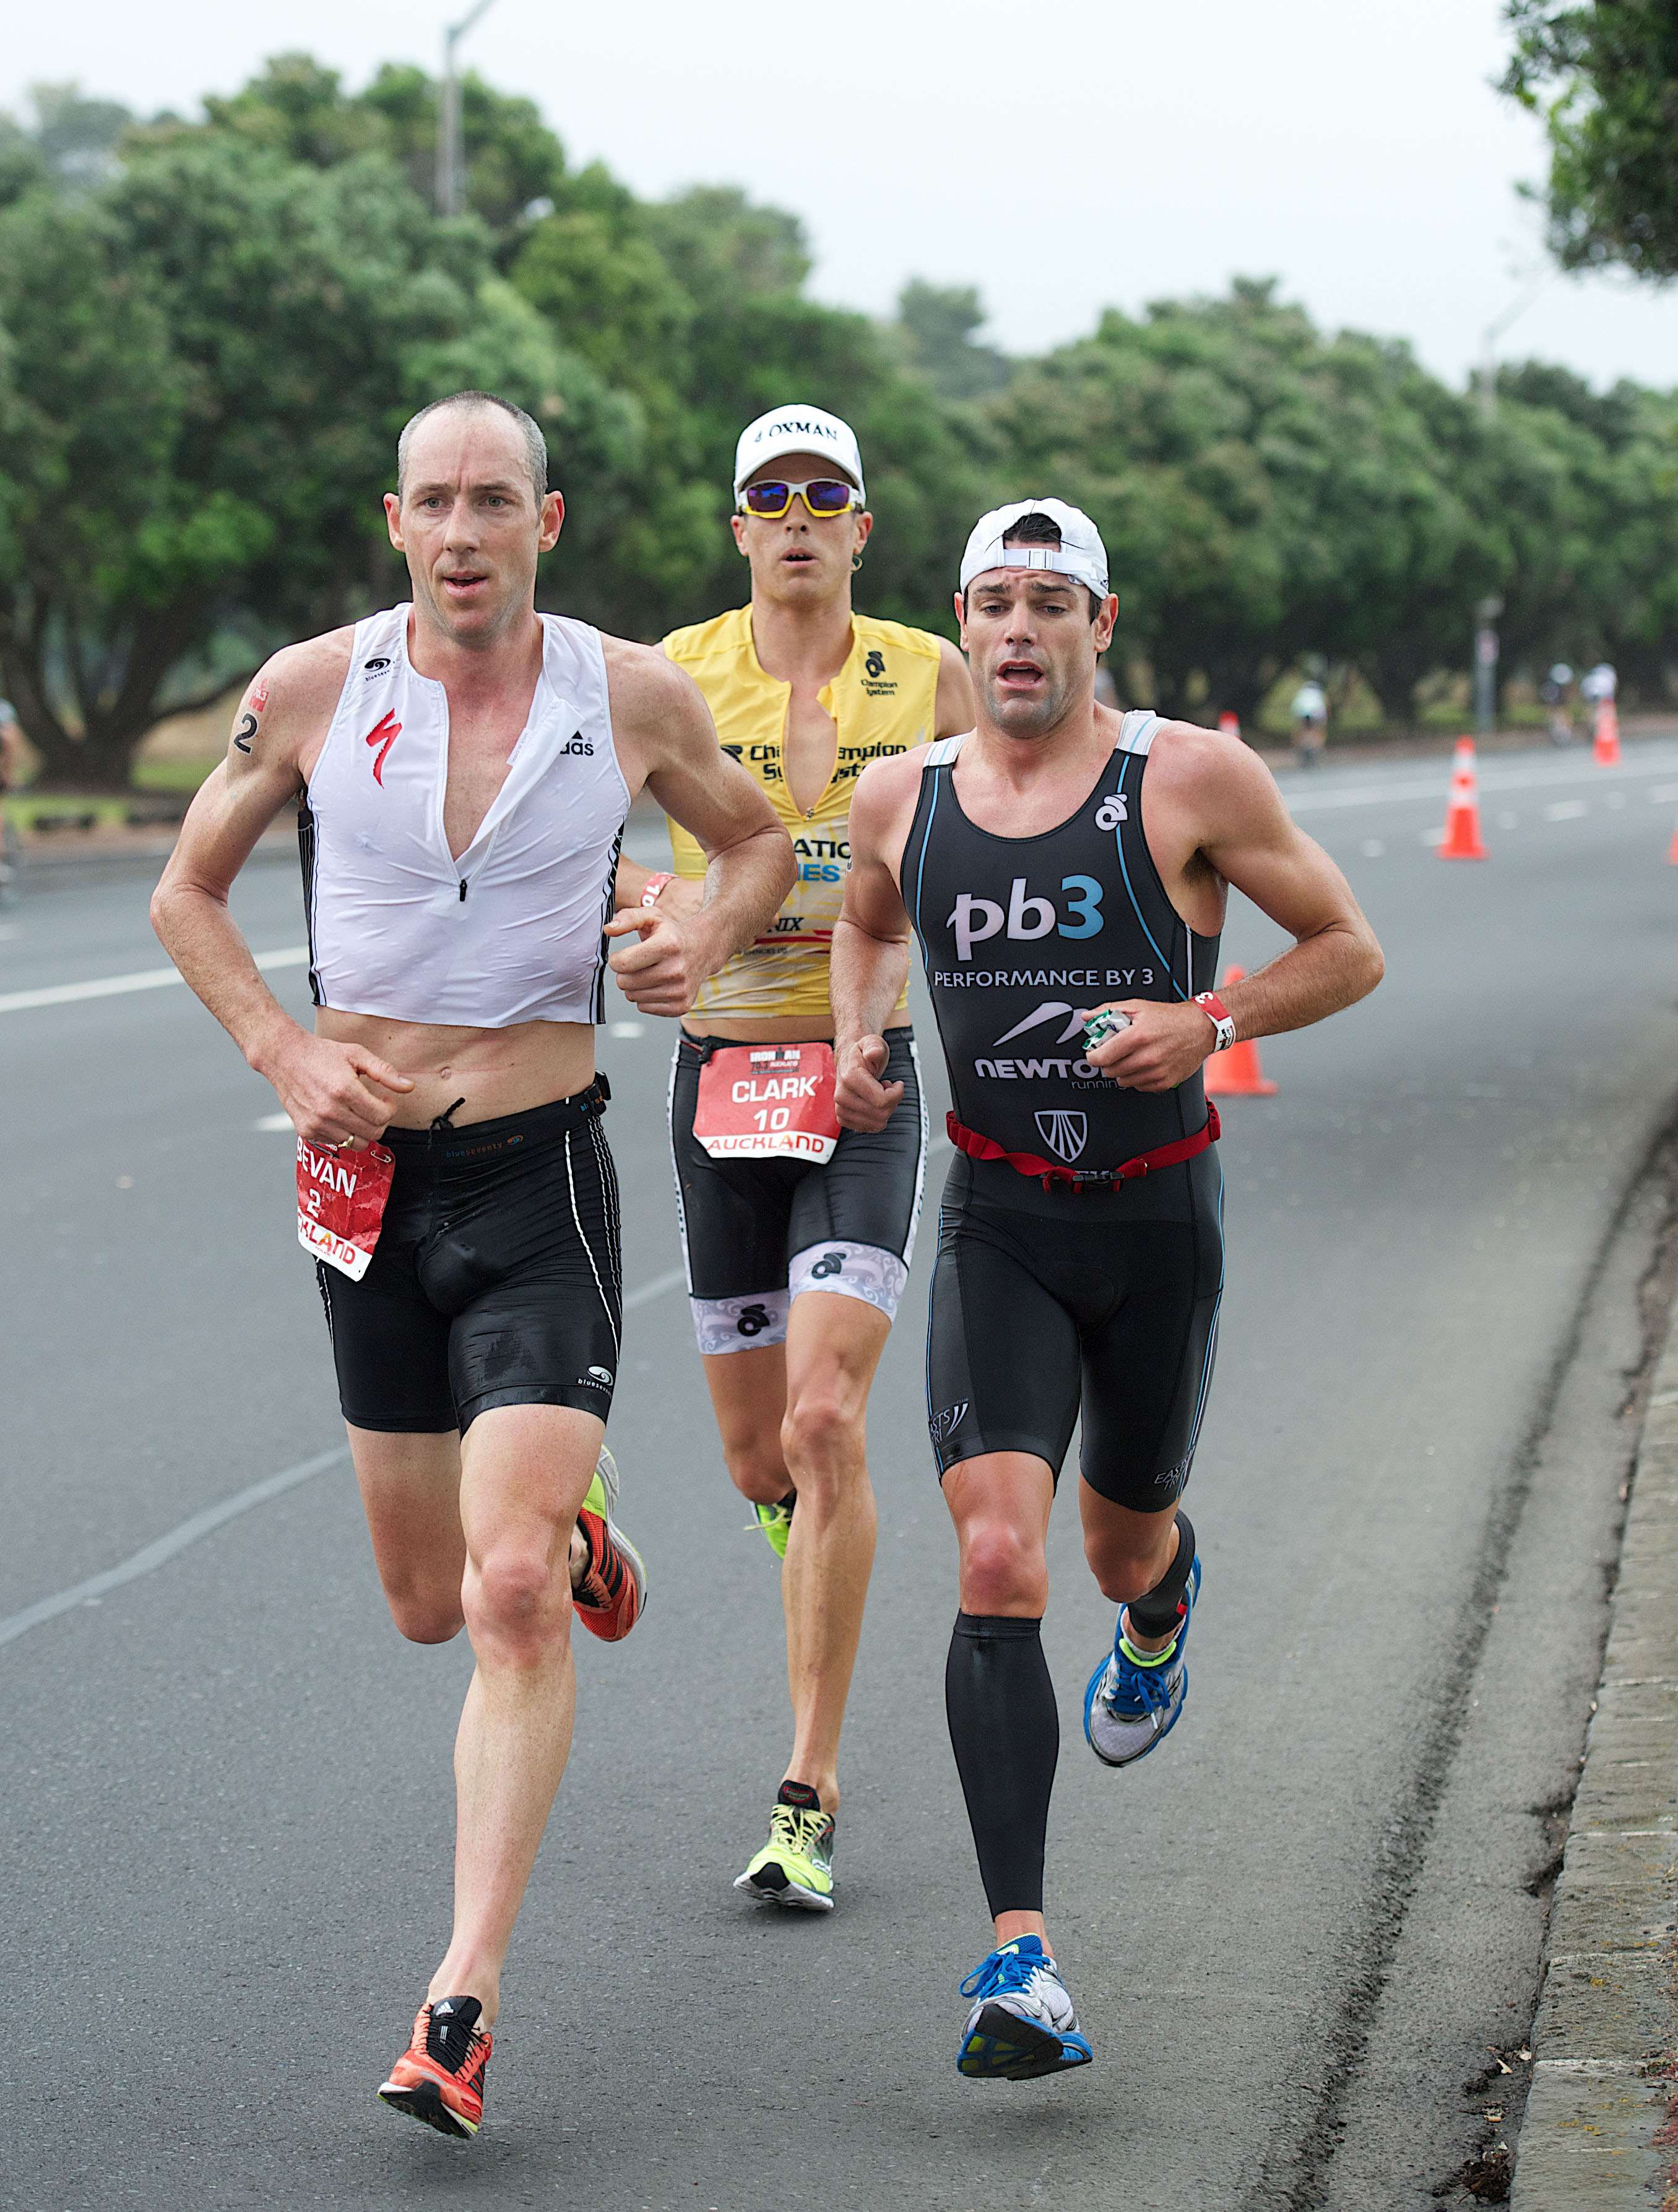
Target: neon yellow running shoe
x,y
795,1867
776,1523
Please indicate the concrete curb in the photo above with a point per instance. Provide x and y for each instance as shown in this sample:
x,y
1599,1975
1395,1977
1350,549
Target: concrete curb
x,y
1606,2033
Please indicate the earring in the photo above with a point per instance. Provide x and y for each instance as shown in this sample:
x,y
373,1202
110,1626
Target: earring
x,y
856,562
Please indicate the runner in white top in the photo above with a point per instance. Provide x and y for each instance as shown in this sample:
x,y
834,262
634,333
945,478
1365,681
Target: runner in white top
x,y
463,767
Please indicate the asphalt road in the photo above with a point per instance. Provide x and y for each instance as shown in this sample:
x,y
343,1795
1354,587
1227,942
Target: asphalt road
x,y
1291,1935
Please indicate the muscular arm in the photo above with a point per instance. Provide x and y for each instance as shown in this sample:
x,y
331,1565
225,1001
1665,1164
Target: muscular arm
x,y
332,1092
870,941
667,737
1241,828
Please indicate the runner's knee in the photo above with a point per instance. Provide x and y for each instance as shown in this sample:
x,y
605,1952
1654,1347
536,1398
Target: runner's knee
x,y
424,1615
1125,1570
520,1597
1003,1568
1124,1577
757,1469
822,1433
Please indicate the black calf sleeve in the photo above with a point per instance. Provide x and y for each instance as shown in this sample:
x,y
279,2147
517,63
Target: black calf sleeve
x,y
1157,1615
1006,1735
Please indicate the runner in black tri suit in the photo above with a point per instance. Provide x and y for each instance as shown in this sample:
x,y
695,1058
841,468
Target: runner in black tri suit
x,y
1059,861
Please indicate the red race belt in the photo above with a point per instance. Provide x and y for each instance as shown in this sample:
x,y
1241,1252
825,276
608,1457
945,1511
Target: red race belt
x,y
1051,1172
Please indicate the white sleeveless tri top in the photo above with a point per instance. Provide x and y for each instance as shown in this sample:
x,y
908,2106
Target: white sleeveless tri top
x,y
509,932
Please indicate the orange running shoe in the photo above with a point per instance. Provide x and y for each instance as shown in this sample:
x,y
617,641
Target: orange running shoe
x,y
612,1594
439,2078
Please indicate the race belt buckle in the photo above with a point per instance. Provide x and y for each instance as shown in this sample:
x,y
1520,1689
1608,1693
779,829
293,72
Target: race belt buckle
x,y
1084,1179
768,1102
341,1198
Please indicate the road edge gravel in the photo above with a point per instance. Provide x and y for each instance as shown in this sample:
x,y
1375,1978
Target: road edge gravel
x,y
1595,2136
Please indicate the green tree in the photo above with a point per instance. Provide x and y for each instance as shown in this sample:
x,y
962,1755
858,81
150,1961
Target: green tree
x,y
69,142
206,365
1603,74
936,325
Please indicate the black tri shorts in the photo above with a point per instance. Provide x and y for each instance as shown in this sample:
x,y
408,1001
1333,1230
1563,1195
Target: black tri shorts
x,y
757,1234
1039,1320
496,1280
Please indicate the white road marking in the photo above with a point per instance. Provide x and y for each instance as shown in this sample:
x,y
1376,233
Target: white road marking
x,y
1664,793
147,979
1373,848
158,1553
626,1028
1494,782
646,1292
1509,822
271,1124
186,1532
1567,809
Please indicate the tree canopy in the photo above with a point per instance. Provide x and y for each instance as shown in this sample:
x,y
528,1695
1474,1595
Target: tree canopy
x,y
211,330
1603,74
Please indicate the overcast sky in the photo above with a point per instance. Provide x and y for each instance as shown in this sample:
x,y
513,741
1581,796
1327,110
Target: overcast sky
x,y
1061,155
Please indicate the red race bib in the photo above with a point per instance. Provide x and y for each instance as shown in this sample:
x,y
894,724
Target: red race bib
x,y
763,1102
341,1203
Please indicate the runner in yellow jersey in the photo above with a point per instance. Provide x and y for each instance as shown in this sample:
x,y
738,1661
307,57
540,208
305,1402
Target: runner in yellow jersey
x,y
775,1204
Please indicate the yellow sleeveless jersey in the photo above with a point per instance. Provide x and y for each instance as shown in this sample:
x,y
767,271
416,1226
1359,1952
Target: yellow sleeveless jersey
x,y
883,701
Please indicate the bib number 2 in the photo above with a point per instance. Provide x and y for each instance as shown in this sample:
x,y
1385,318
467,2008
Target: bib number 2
x,y
341,1198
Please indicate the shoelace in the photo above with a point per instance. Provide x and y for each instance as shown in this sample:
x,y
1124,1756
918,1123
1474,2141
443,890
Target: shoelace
x,y
1002,1971
799,1828
1150,1686
450,2035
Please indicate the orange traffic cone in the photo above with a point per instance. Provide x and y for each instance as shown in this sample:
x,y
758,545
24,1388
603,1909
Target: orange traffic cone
x,y
1461,838
1672,855
1606,751
1236,1073
1229,722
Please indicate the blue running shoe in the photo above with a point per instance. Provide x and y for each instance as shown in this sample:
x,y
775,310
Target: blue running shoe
x,y
1128,1707
1022,2024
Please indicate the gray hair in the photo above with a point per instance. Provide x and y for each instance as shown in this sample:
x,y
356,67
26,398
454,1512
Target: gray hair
x,y
535,445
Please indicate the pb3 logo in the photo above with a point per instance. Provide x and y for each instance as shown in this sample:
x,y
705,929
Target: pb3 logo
x,y
974,920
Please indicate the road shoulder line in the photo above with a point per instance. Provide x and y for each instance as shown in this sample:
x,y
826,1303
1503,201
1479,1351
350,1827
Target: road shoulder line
x,y
1607,2026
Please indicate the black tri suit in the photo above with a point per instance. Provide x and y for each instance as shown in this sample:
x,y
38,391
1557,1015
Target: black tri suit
x,y
1050,1302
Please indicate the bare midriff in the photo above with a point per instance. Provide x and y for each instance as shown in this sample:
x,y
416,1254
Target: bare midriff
x,y
493,1072
765,1029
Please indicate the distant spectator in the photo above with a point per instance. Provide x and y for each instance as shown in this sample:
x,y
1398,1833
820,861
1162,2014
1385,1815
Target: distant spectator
x,y
1553,697
1107,691
11,748
1311,721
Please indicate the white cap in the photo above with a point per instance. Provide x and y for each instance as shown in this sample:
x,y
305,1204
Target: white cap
x,y
797,430
1080,552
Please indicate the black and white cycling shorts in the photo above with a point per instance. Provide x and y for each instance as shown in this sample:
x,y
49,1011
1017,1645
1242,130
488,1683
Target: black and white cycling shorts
x,y
1040,1320
496,1280
757,1234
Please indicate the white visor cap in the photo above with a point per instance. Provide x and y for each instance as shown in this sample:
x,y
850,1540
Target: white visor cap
x,y
1080,552
797,430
